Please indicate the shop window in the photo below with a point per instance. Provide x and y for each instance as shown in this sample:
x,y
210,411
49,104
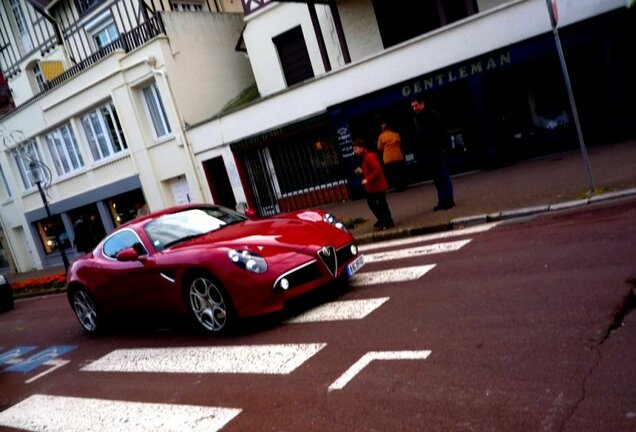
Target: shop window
x,y
156,111
89,215
127,206
23,156
309,164
293,55
103,132
52,234
64,150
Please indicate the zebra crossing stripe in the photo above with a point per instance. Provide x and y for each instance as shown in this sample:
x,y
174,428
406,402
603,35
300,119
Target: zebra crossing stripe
x,y
340,311
416,251
429,237
402,274
73,414
257,359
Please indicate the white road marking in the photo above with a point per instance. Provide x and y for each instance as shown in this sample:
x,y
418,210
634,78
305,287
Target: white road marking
x,y
55,363
340,311
257,359
402,274
70,414
416,251
375,355
428,237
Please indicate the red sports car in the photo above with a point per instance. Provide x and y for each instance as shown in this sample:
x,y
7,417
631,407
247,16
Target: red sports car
x,y
210,262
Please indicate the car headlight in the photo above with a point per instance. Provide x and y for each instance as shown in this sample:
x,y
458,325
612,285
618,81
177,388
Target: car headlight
x,y
247,260
332,220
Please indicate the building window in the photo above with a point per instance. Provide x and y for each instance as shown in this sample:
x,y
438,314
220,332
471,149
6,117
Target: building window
x,y
5,192
293,55
84,5
105,35
39,77
21,25
23,156
186,6
396,26
156,111
103,132
64,150
51,230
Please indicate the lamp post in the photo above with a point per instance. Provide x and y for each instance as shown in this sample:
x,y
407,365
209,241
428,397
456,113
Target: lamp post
x,y
37,178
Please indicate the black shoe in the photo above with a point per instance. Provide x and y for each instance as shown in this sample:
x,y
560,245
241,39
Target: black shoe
x,y
444,205
377,224
387,225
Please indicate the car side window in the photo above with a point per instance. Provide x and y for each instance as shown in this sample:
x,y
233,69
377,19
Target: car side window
x,y
122,240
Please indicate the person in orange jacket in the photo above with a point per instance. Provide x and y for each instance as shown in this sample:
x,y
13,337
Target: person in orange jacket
x,y
390,145
375,184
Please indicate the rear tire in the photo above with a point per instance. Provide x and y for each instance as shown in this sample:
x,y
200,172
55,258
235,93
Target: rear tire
x,y
85,309
209,304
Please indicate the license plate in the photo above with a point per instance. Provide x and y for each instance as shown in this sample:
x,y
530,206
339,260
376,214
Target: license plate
x,y
355,265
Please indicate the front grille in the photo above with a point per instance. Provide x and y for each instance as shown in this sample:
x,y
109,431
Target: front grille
x,y
328,256
344,254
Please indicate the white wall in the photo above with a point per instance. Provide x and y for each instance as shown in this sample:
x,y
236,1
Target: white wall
x,y
205,70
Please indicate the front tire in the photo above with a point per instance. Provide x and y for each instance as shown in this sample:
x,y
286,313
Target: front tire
x,y
209,304
85,309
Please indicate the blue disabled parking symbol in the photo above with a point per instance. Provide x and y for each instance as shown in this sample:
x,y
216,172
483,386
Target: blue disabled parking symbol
x,y
27,358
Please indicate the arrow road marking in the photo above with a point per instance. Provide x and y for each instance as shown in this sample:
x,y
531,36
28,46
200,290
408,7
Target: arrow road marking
x,y
416,252
390,276
375,355
71,414
430,237
258,359
339,311
55,363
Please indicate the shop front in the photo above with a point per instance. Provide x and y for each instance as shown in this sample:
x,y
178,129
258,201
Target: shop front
x,y
503,106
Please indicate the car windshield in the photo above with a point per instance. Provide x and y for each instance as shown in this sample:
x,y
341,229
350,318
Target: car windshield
x,y
173,228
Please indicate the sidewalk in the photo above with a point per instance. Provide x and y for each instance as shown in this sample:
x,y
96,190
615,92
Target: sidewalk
x,y
548,183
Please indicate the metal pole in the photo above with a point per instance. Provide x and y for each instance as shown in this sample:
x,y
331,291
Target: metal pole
x,y
57,237
568,85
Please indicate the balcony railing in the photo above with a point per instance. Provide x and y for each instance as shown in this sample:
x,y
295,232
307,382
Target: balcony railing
x,y
128,41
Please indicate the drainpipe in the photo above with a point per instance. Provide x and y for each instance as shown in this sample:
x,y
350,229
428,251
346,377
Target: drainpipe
x,y
182,129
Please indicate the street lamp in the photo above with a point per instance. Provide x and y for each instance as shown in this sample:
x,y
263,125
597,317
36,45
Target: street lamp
x,y
35,168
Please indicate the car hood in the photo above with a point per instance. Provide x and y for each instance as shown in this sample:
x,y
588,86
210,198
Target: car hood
x,y
301,232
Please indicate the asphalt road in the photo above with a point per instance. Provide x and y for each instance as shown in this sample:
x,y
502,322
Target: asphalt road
x,y
520,326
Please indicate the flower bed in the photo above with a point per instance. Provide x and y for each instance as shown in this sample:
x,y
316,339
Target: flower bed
x,y
43,285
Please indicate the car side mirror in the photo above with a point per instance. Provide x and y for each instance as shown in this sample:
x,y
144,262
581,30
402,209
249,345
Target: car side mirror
x,y
128,254
251,213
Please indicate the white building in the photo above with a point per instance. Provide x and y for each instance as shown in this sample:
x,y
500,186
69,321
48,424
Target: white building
x,y
148,108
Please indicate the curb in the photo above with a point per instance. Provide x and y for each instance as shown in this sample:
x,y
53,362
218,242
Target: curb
x,y
479,219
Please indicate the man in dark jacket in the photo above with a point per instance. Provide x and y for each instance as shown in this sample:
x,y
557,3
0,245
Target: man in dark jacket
x,y
375,184
431,134
84,238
